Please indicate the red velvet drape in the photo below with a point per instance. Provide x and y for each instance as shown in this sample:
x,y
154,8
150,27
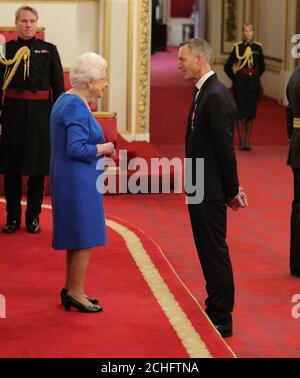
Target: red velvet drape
x,y
181,8
9,35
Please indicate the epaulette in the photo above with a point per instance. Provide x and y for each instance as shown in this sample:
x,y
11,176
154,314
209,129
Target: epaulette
x,y
258,43
237,43
12,65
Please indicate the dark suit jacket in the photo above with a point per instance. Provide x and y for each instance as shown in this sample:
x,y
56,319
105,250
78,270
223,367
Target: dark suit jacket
x,y
212,139
293,110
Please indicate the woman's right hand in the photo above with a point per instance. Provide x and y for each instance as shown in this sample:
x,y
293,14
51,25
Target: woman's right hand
x,y
107,149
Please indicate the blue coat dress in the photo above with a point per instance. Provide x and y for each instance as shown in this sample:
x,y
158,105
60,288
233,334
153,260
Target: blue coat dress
x,y
78,219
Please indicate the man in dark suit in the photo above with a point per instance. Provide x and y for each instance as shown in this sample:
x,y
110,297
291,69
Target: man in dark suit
x,y
210,136
293,129
34,82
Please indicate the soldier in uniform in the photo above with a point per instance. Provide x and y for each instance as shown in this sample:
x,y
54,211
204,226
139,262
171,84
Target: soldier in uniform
x,y
31,79
244,67
293,129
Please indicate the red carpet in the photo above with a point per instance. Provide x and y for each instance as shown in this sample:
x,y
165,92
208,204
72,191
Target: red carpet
x,y
258,238
135,321
171,98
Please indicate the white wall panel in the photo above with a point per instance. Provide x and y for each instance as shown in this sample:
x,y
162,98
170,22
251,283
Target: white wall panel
x,y
71,26
272,27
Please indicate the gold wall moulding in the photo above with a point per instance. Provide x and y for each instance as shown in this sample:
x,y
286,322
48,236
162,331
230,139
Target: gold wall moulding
x,y
105,114
273,68
107,50
229,25
13,28
219,62
143,66
273,59
130,65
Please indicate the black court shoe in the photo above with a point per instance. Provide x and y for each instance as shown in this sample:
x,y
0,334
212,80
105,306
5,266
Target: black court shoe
x,y
71,302
64,291
242,147
11,227
33,226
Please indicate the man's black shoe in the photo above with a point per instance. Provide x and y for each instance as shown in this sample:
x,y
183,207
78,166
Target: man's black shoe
x,y
295,274
11,227
33,226
224,329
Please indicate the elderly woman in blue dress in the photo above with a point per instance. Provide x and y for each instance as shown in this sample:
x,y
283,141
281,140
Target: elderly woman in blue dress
x,y
77,143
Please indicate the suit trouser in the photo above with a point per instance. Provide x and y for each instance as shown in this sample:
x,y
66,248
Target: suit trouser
x,y
295,226
209,221
13,195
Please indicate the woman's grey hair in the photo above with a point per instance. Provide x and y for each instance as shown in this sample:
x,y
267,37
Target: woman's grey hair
x,y
87,67
200,45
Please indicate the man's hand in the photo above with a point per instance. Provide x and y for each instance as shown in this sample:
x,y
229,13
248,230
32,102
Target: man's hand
x,y
239,201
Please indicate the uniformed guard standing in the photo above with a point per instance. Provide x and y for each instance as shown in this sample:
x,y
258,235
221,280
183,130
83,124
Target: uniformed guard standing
x,y
293,129
31,79
244,67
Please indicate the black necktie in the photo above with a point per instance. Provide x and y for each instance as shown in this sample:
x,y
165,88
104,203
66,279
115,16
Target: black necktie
x,y
195,91
193,107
